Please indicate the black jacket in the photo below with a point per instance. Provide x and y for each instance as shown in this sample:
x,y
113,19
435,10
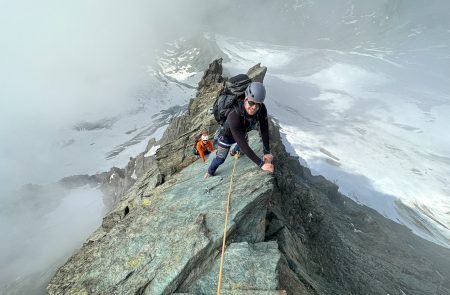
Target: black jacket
x,y
238,123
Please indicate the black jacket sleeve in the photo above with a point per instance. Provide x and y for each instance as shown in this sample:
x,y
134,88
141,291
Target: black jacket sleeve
x,y
264,128
238,131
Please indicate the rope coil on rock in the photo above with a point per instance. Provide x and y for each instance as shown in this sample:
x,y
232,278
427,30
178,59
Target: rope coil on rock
x,y
225,227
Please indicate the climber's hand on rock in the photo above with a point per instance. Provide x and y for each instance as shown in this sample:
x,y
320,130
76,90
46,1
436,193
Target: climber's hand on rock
x,y
268,158
268,167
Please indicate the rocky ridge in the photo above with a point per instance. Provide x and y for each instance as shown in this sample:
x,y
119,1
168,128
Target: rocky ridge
x,y
291,232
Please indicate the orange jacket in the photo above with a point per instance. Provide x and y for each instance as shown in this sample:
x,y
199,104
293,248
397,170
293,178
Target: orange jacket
x,y
201,148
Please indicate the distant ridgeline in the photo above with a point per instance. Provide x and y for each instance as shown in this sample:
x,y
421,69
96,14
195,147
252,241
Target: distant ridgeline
x,y
290,232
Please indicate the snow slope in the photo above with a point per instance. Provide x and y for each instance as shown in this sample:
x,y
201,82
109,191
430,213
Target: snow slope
x,y
359,119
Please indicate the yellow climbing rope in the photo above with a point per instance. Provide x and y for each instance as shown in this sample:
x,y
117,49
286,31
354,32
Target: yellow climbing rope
x,y
225,229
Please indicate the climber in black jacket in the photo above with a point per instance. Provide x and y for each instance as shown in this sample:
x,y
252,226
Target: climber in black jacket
x,y
240,121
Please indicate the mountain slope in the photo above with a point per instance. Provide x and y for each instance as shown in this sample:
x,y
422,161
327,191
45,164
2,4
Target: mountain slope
x,y
164,235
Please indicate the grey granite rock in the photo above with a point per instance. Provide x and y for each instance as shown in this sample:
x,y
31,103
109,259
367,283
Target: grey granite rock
x,y
164,235
257,73
246,267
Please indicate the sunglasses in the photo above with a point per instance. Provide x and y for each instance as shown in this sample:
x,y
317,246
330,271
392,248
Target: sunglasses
x,y
252,103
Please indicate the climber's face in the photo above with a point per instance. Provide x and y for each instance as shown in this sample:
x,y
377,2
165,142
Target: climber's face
x,y
251,107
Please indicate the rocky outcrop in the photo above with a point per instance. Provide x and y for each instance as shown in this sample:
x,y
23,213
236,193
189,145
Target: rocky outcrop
x,y
287,233
169,234
256,73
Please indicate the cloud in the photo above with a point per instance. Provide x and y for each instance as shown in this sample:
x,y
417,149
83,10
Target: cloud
x,y
64,62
